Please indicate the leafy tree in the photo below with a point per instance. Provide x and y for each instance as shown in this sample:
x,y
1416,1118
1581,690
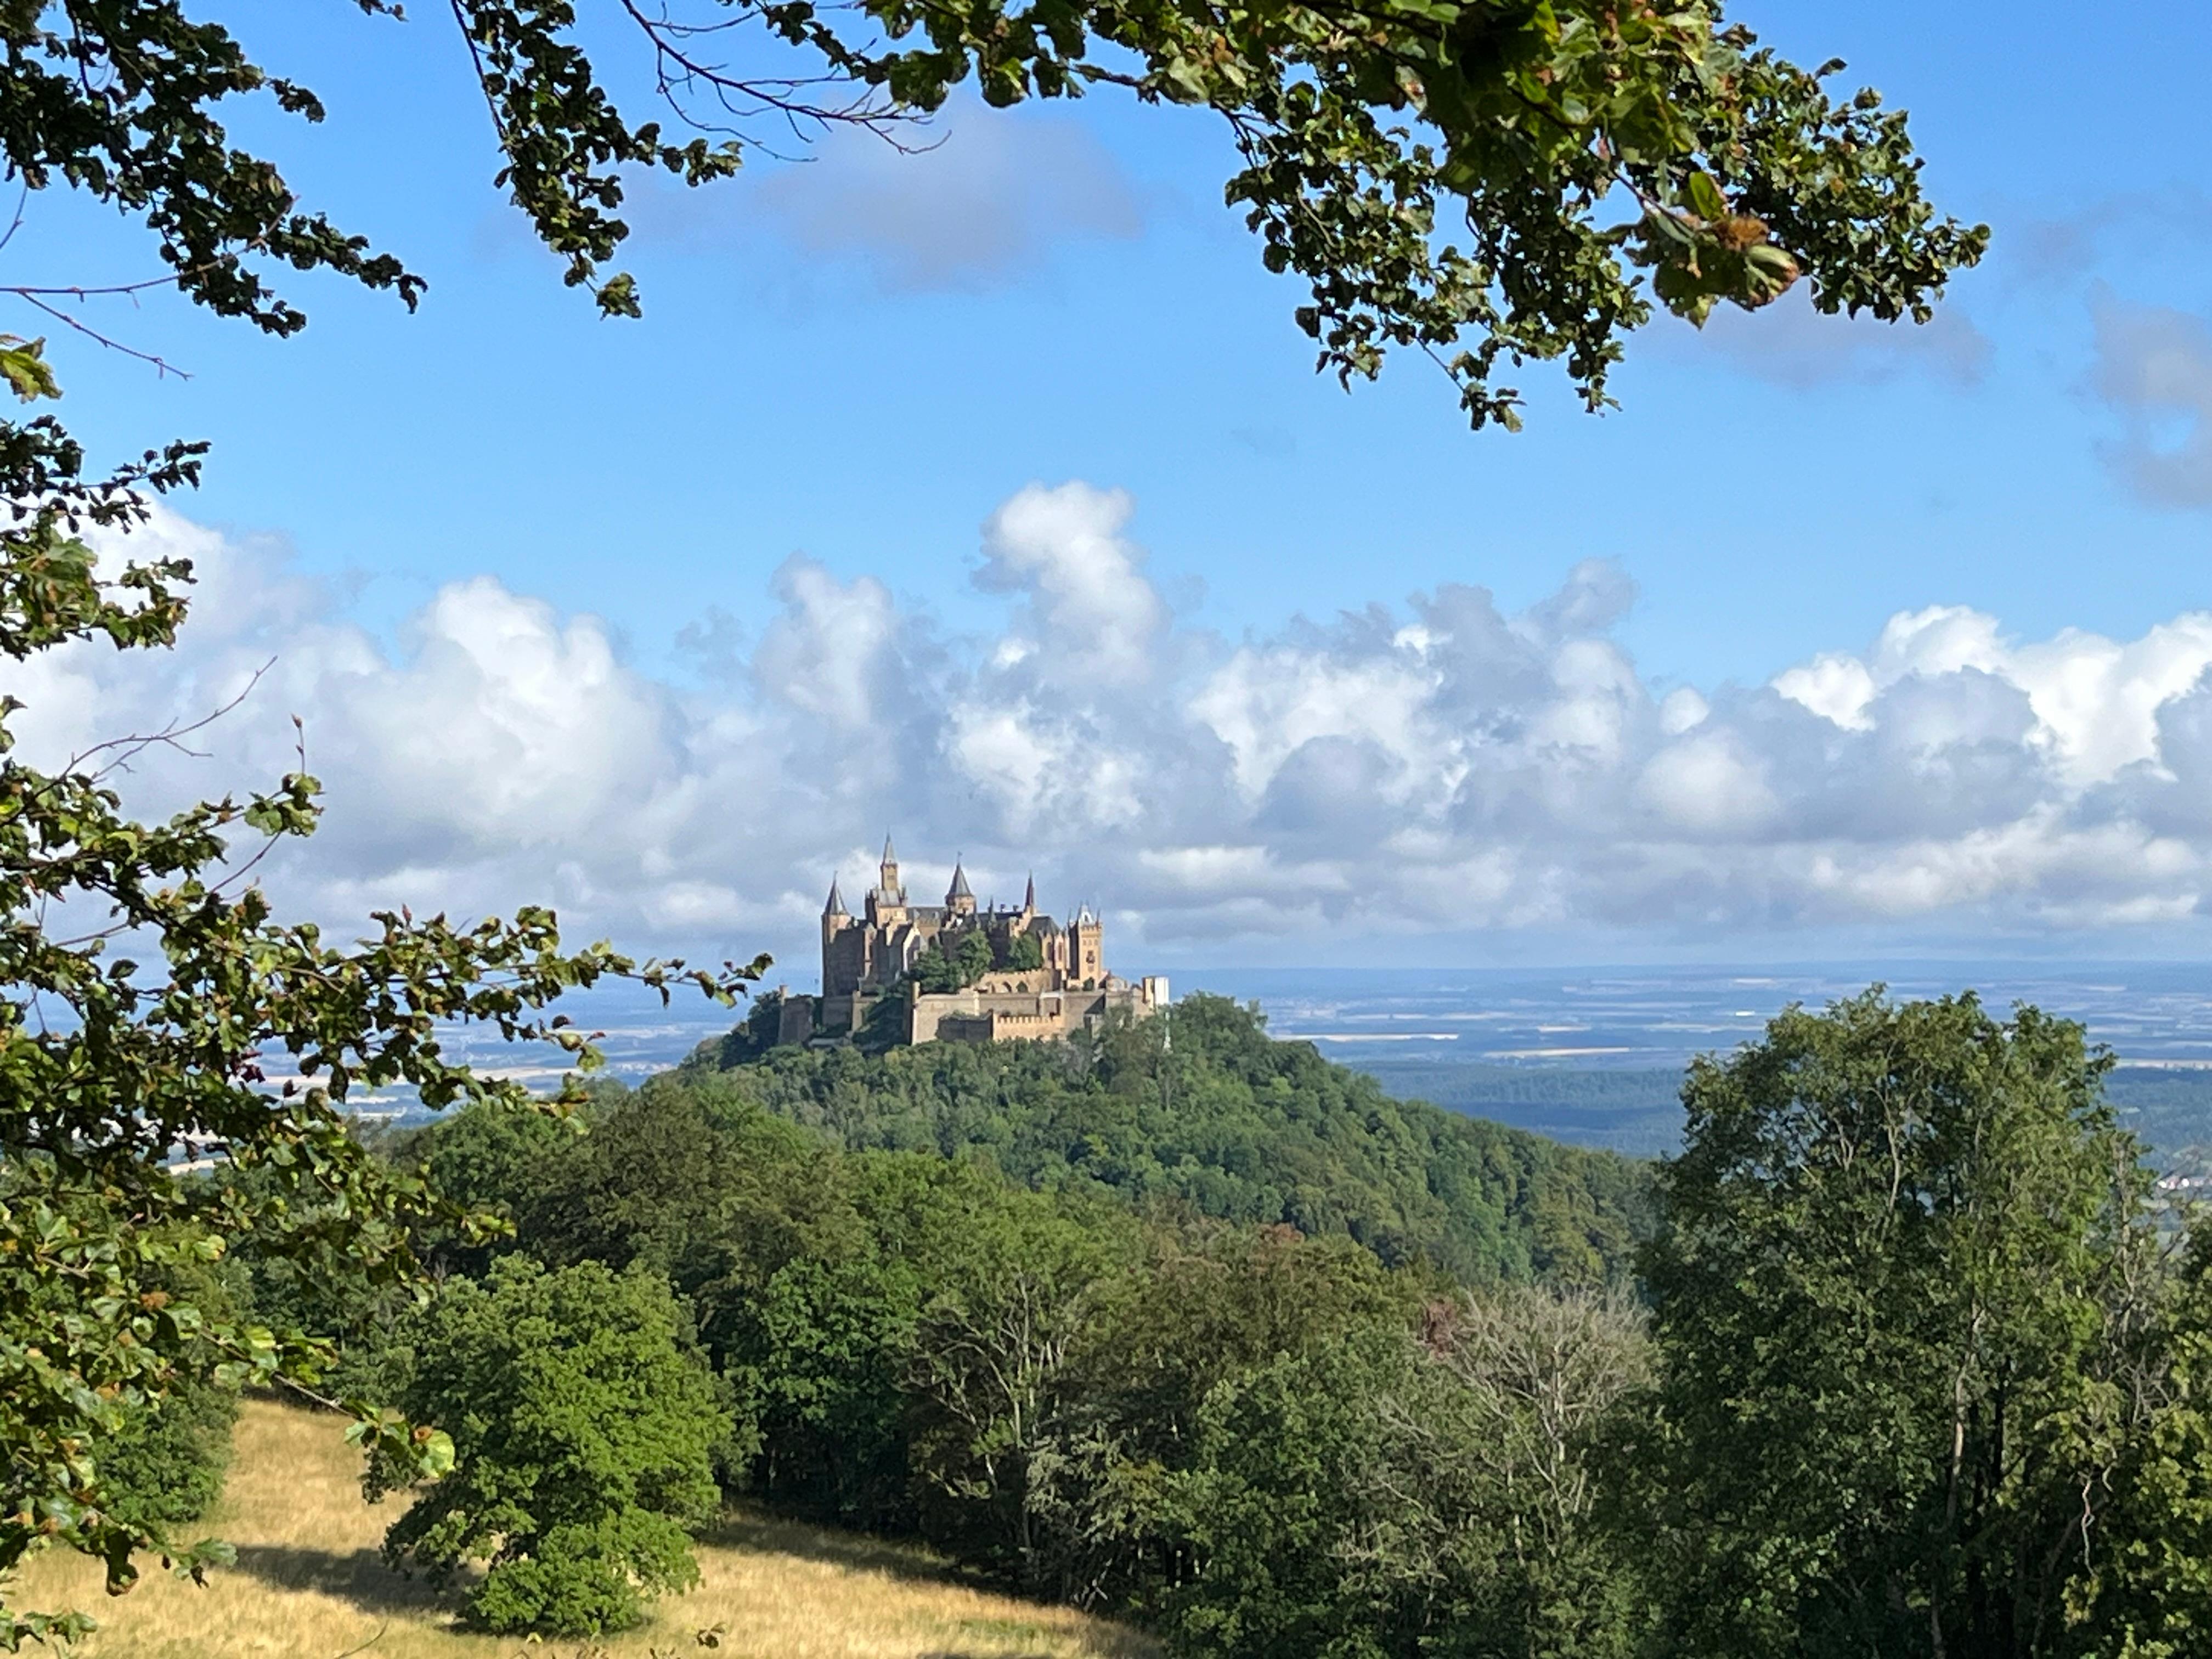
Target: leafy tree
x,y
1374,1495
1578,141
1002,1318
1492,1462
1907,1263
2147,1590
953,965
584,1445
1273,1503
1024,953
1210,1306
110,1067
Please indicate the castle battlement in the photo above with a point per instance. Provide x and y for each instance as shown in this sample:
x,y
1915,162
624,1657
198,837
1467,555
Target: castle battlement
x,y
1043,979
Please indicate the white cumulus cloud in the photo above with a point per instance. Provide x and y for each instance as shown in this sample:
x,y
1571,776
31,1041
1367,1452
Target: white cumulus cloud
x,y
1442,764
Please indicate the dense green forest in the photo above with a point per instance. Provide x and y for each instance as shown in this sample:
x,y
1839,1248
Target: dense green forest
x,y
1908,1358
1208,1112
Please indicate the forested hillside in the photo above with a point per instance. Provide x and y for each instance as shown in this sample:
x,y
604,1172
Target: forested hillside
x,y
1206,1111
1847,1391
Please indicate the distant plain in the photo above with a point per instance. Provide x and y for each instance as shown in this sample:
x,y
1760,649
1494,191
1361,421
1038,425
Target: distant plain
x,y
1593,1056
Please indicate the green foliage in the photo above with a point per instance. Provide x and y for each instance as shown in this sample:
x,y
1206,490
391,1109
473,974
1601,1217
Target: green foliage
x,y
112,1066
1236,1126
1906,1263
1275,1503
2147,1593
1381,1496
914,1343
165,1465
1579,143
1926,1371
1002,1318
583,1441
1024,953
939,970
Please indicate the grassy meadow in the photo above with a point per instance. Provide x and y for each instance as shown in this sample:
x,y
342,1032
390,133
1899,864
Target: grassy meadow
x,y
309,1585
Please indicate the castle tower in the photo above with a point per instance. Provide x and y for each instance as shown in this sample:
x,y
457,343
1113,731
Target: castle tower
x,y
834,920
960,898
1086,948
886,905
1029,900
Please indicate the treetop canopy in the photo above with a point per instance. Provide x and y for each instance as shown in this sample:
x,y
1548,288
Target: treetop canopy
x,y
1477,180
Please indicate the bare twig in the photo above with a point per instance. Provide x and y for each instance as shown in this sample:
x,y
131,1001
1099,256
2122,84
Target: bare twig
x,y
22,198
31,297
168,736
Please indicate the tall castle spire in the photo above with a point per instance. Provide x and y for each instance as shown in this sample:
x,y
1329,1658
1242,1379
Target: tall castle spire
x,y
888,883
835,906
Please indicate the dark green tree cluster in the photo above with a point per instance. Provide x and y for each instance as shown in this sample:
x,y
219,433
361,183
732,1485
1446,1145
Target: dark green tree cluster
x,y
1074,1398
1205,1111
585,1441
1928,1348
954,965
1917,1365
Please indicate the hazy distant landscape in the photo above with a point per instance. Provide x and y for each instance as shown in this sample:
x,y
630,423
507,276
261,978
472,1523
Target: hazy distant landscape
x,y
1592,1056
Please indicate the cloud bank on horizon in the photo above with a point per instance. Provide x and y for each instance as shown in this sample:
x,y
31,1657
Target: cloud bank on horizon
x,y
1439,767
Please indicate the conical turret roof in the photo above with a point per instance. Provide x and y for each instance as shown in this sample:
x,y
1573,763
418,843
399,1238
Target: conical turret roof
x,y
836,907
959,890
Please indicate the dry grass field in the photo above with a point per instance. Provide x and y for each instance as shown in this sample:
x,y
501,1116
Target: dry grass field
x,y
308,1585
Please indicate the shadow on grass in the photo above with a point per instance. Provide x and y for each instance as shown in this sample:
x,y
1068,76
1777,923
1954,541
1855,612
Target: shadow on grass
x,y
359,1576
771,1535
1102,1642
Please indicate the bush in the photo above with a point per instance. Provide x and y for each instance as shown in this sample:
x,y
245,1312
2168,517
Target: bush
x,y
166,1465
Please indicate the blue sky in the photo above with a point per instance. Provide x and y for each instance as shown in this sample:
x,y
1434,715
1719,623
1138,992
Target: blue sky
x,y
863,358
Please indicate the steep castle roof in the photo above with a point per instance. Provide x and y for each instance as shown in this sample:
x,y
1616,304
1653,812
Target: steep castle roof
x,y
959,889
836,907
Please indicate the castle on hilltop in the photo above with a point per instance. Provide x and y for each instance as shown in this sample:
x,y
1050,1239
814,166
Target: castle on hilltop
x,y
1000,972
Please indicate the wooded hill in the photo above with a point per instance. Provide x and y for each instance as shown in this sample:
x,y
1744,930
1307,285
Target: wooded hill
x,y
1206,1111
1913,1369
